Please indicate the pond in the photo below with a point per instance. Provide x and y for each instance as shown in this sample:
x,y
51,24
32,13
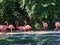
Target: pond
x,y
31,39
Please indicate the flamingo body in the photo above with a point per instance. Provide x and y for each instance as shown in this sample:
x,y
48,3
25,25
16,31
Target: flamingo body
x,y
20,28
3,27
28,27
45,25
11,27
57,25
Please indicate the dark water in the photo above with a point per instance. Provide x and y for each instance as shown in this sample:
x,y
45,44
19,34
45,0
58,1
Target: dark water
x,y
37,39
38,43
52,43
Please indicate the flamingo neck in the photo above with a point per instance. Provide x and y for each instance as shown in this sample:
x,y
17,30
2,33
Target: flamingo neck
x,y
7,24
25,24
16,24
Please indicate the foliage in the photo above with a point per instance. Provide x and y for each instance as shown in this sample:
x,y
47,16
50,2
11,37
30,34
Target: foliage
x,y
34,11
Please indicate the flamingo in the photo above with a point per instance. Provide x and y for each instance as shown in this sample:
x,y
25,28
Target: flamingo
x,y
26,26
19,27
3,27
9,26
45,25
57,25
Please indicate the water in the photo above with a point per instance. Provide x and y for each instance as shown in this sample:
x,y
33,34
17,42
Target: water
x,y
49,40
34,39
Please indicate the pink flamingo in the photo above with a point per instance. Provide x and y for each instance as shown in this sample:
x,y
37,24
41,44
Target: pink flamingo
x,y
45,25
26,26
57,25
10,26
3,27
19,27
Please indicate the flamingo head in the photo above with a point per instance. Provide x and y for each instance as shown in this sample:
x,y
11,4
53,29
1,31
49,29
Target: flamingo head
x,y
6,21
42,21
16,22
25,21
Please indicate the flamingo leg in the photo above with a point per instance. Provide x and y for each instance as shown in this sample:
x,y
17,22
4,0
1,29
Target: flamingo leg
x,y
11,32
3,33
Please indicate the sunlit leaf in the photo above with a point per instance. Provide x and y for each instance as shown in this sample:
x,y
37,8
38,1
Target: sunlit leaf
x,y
1,1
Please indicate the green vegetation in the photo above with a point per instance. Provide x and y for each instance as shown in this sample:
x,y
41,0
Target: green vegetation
x,y
34,11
